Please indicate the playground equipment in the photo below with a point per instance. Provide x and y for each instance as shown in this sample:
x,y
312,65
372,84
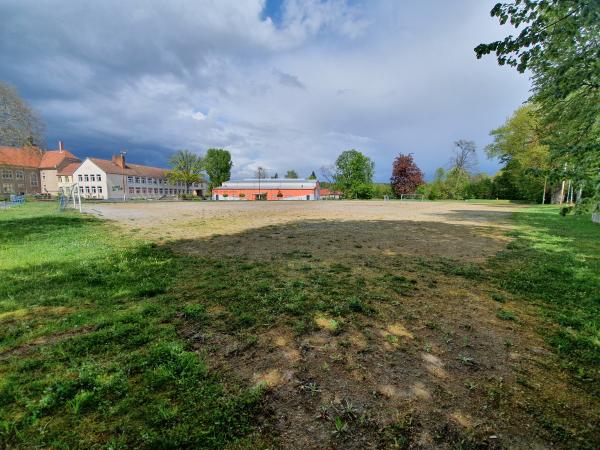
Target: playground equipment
x,y
15,200
69,196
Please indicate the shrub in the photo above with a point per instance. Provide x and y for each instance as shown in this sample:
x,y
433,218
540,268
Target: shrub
x,y
242,195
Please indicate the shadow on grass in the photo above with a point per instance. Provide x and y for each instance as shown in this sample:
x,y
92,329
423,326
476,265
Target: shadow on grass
x,y
19,229
130,375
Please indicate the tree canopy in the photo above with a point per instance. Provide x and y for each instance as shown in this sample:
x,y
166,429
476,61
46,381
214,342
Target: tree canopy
x,y
312,176
217,164
406,175
291,174
19,124
354,174
559,42
186,168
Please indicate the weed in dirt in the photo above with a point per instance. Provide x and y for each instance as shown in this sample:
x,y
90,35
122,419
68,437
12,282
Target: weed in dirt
x,y
506,315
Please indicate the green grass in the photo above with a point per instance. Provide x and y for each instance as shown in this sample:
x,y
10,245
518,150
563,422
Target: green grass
x,y
92,348
554,263
89,347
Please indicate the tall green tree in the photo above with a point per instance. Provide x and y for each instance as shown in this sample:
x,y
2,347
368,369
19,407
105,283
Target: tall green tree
x,y
518,145
19,124
292,174
312,176
186,168
354,174
559,42
217,164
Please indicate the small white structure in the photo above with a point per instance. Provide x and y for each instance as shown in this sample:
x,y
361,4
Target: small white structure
x,y
116,179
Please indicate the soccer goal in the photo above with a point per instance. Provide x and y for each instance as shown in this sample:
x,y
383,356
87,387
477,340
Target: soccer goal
x,y
69,197
416,197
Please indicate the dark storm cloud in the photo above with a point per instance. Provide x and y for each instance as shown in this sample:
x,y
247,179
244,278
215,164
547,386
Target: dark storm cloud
x,y
155,76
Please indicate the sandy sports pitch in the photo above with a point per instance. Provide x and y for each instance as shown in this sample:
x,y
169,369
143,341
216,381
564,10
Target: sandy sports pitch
x,y
462,230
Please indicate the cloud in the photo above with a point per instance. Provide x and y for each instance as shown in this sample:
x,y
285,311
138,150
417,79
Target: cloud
x,y
284,91
286,79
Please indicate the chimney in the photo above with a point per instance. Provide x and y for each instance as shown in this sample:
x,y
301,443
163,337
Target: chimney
x,y
119,160
60,146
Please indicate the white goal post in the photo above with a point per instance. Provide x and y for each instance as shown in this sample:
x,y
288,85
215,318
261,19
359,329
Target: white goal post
x,y
69,197
418,197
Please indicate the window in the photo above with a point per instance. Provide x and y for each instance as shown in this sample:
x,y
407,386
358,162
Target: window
x,y
92,177
138,190
34,179
150,180
144,190
93,189
81,188
131,190
7,174
99,189
130,179
138,180
143,180
87,189
156,190
80,177
98,177
86,177
43,176
19,175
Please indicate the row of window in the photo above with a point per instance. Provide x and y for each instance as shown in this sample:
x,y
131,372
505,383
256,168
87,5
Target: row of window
x,y
91,177
90,189
161,191
7,174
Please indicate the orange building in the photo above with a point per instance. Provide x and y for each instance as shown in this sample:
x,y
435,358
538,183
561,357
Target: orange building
x,y
268,189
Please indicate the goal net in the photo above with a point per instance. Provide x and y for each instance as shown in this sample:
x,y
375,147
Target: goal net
x,y
417,197
69,197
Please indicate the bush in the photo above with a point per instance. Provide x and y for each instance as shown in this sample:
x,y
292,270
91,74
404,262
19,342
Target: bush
x,y
242,195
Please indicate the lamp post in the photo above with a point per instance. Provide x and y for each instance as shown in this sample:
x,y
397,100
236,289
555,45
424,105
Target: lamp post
x,y
123,153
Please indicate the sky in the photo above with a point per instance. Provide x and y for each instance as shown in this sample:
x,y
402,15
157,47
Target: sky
x,y
282,84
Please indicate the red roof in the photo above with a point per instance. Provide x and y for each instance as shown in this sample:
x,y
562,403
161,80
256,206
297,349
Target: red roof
x,y
53,158
68,169
21,157
130,169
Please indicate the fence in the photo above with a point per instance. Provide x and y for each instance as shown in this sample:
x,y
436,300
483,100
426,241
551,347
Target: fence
x,y
15,200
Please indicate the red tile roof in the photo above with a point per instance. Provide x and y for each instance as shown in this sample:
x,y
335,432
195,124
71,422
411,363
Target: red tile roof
x,y
68,169
53,158
21,157
130,169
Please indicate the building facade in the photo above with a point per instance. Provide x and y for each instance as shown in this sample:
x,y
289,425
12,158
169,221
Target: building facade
x,y
268,189
118,179
30,170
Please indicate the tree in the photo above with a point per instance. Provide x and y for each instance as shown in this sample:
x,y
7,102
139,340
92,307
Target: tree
x,y
406,176
186,168
354,174
559,42
518,145
260,173
19,124
464,158
217,164
276,176
291,174
312,176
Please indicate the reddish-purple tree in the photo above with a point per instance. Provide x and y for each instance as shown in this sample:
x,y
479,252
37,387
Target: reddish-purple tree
x,y
406,176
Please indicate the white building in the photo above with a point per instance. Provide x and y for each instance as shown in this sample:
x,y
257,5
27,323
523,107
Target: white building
x,y
268,189
117,179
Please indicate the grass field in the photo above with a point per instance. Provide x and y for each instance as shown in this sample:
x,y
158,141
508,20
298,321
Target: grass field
x,y
263,338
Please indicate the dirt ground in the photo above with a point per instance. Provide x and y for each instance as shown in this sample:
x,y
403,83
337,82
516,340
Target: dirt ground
x,y
430,366
479,230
